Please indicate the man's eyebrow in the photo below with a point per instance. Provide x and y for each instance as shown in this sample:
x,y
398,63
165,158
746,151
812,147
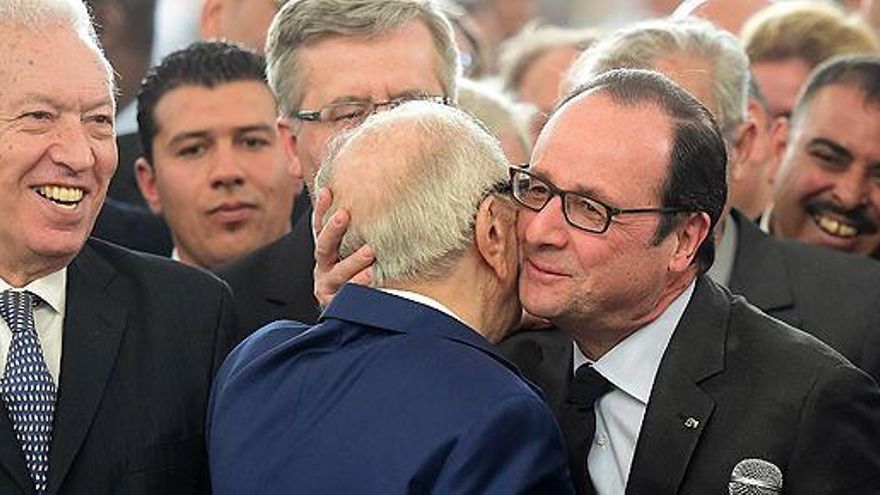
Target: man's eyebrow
x,y
254,128
588,191
836,148
409,93
188,135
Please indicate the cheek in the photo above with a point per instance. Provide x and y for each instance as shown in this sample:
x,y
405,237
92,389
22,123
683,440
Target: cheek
x,y
107,162
803,179
179,189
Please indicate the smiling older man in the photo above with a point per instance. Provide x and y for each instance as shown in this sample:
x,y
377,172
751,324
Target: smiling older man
x,y
107,355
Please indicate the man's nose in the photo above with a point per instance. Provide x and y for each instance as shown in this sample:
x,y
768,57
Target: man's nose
x,y
227,169
545,227
73,147
852,188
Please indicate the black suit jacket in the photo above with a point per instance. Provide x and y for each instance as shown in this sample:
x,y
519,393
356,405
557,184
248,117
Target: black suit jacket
x,y
133,227
752,386
832,295
142,339
276,282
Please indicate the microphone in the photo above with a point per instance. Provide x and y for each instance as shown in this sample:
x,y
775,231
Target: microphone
x,y
755,477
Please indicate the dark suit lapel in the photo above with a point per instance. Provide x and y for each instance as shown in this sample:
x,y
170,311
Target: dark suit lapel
x,y
678,409
93,326
760,272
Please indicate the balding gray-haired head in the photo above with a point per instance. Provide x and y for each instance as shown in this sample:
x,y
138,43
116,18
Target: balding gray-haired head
x,y
645,45
413,179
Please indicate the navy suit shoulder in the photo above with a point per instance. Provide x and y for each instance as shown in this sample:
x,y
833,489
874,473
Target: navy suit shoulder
x,y
832,295
416,405
275,282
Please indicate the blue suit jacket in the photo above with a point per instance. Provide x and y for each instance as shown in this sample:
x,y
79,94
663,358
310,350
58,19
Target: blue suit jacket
x,y
383,396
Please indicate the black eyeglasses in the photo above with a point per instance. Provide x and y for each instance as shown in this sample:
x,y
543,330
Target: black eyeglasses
x,y
354,112
579,210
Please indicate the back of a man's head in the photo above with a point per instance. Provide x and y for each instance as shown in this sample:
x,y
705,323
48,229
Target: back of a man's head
x,y
413,178
304,22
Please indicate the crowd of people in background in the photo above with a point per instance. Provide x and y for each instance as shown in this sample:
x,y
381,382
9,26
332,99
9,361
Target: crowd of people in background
x,y
440,246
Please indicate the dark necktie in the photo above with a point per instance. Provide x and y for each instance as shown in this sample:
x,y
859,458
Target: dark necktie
x,y
27,387
579,422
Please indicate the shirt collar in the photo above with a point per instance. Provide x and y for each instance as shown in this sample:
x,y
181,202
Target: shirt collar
x,y
632,365
725,253
50,289
422,299
764,221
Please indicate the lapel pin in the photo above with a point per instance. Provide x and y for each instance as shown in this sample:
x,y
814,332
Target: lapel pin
x,y
692,423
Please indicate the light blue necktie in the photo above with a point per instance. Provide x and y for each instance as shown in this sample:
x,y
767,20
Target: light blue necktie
x,y
27,387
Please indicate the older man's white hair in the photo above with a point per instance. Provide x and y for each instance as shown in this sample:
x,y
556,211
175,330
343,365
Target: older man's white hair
x,y
418,216
40,15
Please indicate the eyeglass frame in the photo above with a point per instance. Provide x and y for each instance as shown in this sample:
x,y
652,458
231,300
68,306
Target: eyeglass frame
x,y
610,211
315,115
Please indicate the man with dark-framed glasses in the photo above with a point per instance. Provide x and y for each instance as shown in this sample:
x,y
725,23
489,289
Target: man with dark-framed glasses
x,y
695,380
331,63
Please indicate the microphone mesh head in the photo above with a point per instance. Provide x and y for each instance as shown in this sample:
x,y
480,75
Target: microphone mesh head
x,y
755,477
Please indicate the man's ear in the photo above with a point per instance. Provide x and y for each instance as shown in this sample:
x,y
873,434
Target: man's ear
x,y
289,141
689,236
495,236
146,181
778,144
743,149
210,21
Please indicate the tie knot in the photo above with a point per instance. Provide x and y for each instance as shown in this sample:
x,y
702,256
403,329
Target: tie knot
x,y
16,308
587,386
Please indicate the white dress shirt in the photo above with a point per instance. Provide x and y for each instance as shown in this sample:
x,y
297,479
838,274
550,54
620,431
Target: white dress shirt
x,y
725,253
631,367
424,300
48,317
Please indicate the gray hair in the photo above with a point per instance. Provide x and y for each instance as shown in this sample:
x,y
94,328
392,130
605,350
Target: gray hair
x,y
645,43
419,217
37,14
301,22
533,41
495,110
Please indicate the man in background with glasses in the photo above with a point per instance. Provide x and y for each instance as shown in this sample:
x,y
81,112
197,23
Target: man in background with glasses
x,y
330,64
